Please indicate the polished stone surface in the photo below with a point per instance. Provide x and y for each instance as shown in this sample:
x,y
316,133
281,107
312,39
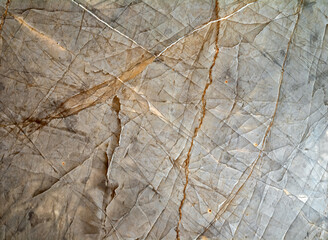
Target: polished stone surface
x,y
153,119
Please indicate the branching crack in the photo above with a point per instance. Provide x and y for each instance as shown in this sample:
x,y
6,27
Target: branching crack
x,y
238,188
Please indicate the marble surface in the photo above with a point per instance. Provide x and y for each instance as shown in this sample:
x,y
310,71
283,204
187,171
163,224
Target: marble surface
x,y
153,119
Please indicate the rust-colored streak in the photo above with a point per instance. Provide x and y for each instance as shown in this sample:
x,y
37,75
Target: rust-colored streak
x,y
187,160
239,7
239,187
38,33
86,99
99,93
4,15
139,68
95,95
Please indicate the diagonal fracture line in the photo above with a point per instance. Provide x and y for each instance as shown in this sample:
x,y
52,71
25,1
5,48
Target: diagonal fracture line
x,y
114,29
172,44
203,26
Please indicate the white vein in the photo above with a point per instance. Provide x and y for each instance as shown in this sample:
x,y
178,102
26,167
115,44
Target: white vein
x,y
108,25
203,26
172,44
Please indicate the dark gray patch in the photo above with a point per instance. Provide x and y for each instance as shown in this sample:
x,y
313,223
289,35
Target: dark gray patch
x,y
322,83
3,147
22,225
271,58
168,31
70,122
33,218
85,180
228,73
313,38
309,4
2,87
282,53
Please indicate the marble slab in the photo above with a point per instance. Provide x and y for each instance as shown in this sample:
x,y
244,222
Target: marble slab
x,y
153,119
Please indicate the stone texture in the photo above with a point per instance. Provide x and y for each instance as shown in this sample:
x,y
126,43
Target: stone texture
x,y
168,119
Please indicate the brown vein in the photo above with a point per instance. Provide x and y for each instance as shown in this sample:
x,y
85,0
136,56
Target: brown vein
x,y
187,161
37,33
99,93
95,95
4,15
217,19
226,204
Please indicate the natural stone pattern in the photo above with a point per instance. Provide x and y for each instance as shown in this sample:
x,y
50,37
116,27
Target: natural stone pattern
x,y
163,119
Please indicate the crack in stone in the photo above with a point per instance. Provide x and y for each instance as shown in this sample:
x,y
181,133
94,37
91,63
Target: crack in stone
x,y
4,15
187,160
99,93
175,42
88,98
77,37
108,25
116,106
114,172
205,25
226,204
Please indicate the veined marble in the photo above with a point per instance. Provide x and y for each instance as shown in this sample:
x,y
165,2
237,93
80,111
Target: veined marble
x,y
164,119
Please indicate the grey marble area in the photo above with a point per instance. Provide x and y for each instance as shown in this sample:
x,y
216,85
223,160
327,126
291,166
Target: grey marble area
x,y
164,119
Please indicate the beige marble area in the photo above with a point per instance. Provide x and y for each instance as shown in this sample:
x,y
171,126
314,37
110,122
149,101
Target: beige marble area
x,y
164,119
